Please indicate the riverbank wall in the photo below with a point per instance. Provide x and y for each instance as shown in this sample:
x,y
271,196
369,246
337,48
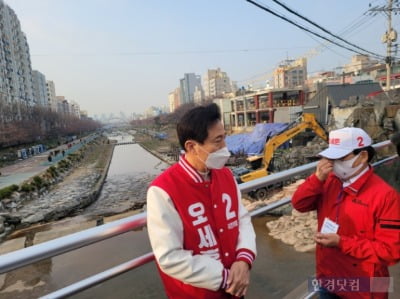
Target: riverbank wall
x,y
155,152
77,185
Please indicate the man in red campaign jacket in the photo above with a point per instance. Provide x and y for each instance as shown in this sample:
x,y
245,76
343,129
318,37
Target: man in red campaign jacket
x,y
358,219
201,235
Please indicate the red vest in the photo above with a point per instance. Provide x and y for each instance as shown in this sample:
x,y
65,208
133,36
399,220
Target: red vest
x,y
209,213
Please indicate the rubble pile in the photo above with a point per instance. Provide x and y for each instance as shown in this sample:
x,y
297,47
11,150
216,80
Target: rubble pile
x,y
296,229
378,116
298,155
285,192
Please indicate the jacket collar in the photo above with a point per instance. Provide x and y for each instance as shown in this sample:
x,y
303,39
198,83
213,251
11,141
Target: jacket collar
x,y
192,173
355,187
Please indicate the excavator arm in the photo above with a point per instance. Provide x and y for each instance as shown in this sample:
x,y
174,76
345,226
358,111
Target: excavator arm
x,y
306,121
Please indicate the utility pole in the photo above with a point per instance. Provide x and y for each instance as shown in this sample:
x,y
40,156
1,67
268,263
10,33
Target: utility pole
x,y
389,37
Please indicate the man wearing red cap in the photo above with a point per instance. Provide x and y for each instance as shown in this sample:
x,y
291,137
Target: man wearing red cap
x,y
358,219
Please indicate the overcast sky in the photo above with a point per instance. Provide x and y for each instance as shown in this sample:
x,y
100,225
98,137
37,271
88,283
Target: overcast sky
x,y
127,55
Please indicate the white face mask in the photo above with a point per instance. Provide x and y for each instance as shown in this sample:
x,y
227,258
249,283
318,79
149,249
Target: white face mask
x,y
217,159
344,170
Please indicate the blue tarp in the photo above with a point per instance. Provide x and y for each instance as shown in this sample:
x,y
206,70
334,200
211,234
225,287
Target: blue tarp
x,y
253,143
161,135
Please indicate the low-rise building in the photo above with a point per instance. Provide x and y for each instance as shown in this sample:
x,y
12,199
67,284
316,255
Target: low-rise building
x,y
358,64
225,107
330,96
266,106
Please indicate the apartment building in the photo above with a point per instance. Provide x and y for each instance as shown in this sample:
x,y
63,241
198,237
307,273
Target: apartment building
x,y
198,95
51,96
19,84
63,105
359,63
75,109
216,84
40,88
174,99
187,87
84,114
291,73
16,84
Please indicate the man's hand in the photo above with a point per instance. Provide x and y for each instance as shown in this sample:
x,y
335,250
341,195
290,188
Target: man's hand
x,y
324,167
238,279
328,240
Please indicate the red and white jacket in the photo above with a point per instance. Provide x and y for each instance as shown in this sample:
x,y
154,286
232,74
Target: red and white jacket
x,y
197,229
368,214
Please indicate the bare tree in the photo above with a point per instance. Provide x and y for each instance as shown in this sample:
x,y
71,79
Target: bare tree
x,y
21,124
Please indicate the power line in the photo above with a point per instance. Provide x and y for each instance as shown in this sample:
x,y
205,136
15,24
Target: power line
x,y
306,29
175,52
323,46
322,28
349,28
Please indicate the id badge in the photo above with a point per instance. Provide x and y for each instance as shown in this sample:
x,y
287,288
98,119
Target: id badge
x,y
329,227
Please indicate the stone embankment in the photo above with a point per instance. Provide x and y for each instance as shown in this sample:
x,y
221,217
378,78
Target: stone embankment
x,y
64,189
120,194
75,192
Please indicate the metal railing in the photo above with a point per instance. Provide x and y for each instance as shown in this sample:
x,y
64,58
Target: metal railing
x,y
30,255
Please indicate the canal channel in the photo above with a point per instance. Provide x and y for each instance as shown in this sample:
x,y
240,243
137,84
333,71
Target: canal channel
x,y
278,268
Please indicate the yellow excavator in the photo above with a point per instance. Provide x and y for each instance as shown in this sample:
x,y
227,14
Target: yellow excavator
x,y
259,164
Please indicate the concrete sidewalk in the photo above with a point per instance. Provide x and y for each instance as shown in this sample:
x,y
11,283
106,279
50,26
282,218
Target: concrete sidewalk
x,y
23,170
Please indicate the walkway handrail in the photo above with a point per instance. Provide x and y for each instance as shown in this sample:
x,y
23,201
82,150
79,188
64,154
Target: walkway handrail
x,y
100,277
29,255
26,256
132,264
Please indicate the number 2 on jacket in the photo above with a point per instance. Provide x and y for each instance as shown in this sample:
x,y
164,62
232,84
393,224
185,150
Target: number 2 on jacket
x,y
228,206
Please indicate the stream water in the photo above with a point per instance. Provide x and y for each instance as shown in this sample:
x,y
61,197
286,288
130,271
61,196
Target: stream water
x,y
277,271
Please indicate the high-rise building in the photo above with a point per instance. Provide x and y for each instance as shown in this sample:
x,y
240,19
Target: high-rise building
x,y
174,99
291,73
187,85
75,109
216,84
198,95
51,96
15,65
63,105
39,88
